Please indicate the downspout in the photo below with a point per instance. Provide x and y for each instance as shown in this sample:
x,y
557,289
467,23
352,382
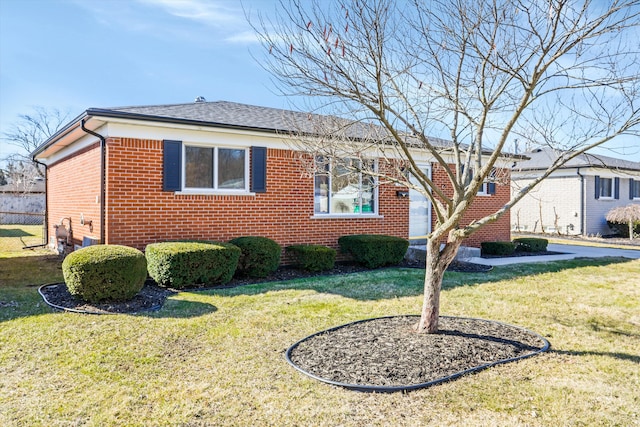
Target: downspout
x,y
103,152
46,204
582,203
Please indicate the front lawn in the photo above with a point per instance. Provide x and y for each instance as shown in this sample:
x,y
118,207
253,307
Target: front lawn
x,y
216,357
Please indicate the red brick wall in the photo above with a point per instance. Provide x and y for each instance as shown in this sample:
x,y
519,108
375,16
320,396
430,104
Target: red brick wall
x,y
482,206
73,188
139,212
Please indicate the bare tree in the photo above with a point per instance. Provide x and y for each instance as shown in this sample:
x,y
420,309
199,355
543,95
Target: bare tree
x,y
29,132
561,73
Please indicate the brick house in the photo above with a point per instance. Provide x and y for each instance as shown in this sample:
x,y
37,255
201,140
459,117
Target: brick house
x,y
218,170
574,199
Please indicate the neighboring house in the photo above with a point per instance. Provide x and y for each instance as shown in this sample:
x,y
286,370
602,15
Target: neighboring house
x,y
219,170
22,204
574,199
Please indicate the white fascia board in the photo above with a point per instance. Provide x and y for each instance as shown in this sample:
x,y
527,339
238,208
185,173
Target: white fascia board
x,y
80,143
205,135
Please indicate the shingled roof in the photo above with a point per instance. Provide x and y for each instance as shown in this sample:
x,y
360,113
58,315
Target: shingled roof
x,y
542,158
231,115
243,116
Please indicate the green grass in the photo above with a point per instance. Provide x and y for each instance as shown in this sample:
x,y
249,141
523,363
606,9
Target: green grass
x,y
216,357
14,237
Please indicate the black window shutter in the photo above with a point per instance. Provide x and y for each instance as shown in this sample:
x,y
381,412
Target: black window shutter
x,y
259,169
597,187
631,184
616,188
491,188
172,166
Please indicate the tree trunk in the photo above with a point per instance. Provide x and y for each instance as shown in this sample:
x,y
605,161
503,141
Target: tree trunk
x,y
436,264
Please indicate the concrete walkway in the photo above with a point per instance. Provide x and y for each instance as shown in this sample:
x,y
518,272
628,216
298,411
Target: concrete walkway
x,y
569,252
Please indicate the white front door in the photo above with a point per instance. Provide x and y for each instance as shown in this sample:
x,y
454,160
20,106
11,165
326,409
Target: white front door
x,y
419,211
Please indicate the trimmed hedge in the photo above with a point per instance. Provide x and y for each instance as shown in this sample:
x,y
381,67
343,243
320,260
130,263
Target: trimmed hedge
x,y
105,272
497,248
374,250
531,244
260,256
182,264
313,257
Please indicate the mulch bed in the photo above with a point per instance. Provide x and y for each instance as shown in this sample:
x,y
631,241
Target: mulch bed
x,y
386,354
152,296
375,355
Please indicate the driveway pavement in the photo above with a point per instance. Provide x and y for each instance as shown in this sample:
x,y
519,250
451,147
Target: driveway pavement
x,y
568,252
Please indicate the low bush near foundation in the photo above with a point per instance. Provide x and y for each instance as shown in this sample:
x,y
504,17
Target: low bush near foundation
x,y
374,250
531,244
625,220
260,256
313,257
497,248
105,272
183,264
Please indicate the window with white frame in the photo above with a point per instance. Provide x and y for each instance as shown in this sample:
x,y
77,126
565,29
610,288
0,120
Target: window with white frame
x,y
343,188
606,188
634,191
215,168
488,186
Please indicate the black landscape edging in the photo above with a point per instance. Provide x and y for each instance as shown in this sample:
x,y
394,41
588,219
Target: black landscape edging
x,y
405,388
75,310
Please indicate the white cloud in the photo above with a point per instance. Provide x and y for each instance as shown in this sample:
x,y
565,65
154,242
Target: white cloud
x,y
244,37
212,13
195,21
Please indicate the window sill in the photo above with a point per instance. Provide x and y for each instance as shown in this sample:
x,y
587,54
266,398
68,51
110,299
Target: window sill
x,y
214,193
347,216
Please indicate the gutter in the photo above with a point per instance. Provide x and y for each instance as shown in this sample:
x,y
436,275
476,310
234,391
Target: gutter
x,y
46,205
583,219
103,152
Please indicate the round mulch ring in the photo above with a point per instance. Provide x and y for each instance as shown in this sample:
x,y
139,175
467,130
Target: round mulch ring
x,y
387,355
150,298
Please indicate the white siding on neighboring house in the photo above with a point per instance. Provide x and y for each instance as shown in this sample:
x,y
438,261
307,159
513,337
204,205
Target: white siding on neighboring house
x,y
552,206
596,209
566,201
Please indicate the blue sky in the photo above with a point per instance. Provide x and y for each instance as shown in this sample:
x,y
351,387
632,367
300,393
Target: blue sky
x,y
77,54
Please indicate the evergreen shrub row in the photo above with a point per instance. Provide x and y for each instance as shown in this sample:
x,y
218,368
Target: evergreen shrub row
x,y
117,273
531,244
312,257
374,250
182,264
524,244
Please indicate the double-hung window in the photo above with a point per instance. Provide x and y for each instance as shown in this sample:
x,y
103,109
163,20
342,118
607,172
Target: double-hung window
x,y
215,168
634,190
606,188
345,188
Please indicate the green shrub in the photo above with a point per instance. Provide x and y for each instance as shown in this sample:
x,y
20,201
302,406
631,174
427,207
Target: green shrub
x,y
260,256
313,257
531,244
182,264
374,250
497,248
622,229
105,272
